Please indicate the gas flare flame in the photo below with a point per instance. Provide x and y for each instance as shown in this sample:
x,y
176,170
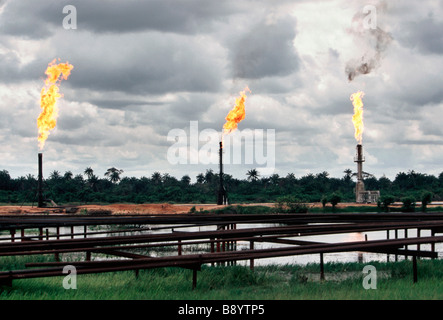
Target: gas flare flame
x,y
237,113
357,118
47,119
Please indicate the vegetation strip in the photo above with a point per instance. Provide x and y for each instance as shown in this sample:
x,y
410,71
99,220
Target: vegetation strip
x,y
343,281
87,187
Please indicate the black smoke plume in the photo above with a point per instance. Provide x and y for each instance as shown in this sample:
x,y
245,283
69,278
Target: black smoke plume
x,y
376,40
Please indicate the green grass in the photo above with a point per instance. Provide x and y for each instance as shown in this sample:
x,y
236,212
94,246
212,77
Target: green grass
x,y
273,282
348,209
239,209
261,209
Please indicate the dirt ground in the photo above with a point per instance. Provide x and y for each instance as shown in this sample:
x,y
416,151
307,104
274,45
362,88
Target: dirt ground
x,y
157,208
160,208
152,208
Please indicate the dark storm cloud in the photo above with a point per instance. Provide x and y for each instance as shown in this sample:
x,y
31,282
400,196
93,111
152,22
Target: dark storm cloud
x,y
122,103
166,16
425,35
191,108
93,136
28,19
152,64
9,66
134,64
11,69
266,50
186,107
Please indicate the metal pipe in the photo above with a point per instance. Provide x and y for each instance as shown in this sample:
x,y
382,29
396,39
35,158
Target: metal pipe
x,y
322,267
221,234
221,198
193,261
40,181
33,221
360,187
414,268
360,159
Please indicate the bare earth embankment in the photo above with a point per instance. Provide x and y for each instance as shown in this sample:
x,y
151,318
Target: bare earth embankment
x,y
155,208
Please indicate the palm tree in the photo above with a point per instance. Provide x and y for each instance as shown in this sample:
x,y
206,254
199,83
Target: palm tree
x,y
168,179
289,180
265,181
93,181
89,172
186,180
68,175
156,177
79,178
322,175
290,176
54,175
113,174
209,176
5,179
275,178
348,175
201,178
252,175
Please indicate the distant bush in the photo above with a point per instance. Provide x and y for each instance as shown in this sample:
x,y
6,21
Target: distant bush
x,y
426,198
291,204
97,212
386,201
324,201
335,199
408,204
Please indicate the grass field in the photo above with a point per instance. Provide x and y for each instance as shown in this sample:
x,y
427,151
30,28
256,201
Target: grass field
x,y
290,282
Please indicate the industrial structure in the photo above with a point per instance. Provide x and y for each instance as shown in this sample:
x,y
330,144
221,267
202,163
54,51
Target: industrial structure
x,y
41,203
362,195
222,197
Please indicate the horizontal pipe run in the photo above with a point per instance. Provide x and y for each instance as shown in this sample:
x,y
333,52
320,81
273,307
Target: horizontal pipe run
x,y
382,246
160,244
231,234
299,226
191,261
34,221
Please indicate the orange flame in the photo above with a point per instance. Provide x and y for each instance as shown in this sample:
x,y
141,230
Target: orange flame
x,y
237,114
357,118
48,99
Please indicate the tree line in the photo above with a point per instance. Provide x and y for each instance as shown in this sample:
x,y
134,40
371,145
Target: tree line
x,y
111,187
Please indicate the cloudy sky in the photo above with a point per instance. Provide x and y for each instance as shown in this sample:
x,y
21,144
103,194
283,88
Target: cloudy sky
x,y
144,68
